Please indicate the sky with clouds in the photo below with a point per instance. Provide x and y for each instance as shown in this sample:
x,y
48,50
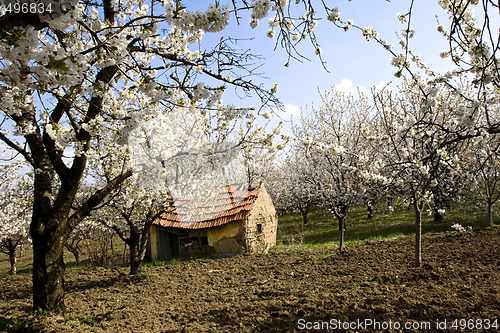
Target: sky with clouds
x,y
351,61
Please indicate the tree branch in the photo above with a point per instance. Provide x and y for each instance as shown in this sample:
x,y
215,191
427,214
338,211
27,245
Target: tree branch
x,y
20,150
96,198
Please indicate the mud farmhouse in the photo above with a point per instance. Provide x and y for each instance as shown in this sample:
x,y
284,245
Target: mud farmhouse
x,y
234,221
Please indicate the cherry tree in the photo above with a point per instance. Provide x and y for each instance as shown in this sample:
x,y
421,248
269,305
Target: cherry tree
x,y
439,113
15,209
89,236
129,215
177,153
297,189
130,209
443,112
73,243
420,121
74,71
261,164
411,138
332,137
482,165
474,49
131,218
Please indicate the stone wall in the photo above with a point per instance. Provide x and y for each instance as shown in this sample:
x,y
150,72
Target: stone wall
x,y
227,238
263,213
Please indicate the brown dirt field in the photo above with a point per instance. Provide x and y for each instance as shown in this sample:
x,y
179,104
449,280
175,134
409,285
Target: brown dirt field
x,y
460,279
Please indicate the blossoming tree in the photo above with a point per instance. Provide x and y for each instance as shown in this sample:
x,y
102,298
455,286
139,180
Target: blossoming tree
x,y
296,190
332,138
174,154
482,166
474,48
73,71
441,113
15,209
415,158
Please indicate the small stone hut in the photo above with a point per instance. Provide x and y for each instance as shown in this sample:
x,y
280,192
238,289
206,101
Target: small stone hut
x,y
234,221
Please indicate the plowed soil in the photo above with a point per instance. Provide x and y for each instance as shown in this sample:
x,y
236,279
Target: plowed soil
x,y
284,292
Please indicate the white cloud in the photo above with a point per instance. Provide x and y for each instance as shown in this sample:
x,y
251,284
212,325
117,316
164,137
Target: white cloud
x,y
346,86
289,110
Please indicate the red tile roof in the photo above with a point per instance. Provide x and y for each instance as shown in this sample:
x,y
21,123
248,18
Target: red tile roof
x,y
232,204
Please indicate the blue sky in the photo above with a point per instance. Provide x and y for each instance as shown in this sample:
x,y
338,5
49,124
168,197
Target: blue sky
x,y
351,60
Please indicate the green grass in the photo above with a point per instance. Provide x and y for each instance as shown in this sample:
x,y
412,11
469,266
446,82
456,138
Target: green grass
x,y
9,322
319,258
22,268
321,231
182,258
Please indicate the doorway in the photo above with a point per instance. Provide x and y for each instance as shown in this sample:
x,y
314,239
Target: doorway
x,y
168,245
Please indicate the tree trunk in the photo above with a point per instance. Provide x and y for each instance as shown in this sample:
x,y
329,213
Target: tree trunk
x,y
438,204
370,209
125,253
437,215
389,202
138,245
490,213
49,229
305,212
54,216
76,254
13,263
73,248
340,213
418,234
342,231
48,274
138,239
135,263
12,255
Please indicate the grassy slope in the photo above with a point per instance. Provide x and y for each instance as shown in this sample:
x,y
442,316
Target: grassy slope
x,y
322,231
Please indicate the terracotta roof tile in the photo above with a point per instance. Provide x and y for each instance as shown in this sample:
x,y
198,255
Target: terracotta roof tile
x,y
231,204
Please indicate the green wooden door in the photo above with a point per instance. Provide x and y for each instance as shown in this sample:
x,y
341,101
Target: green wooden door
x,y
168,245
